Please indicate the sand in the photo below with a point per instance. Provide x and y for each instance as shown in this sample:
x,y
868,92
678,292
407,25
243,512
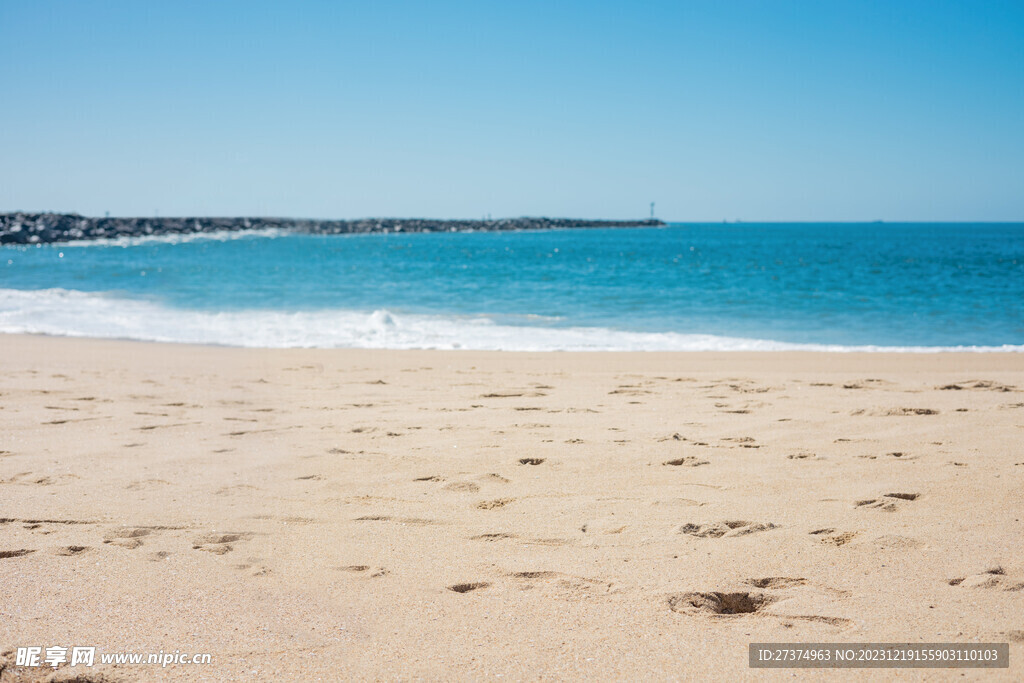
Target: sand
x,y
332,514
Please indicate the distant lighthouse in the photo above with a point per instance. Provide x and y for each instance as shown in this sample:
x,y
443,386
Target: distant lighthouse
x,y
652,210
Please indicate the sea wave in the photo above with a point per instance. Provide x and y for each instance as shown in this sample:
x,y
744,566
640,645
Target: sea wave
x,y
183,238
71,313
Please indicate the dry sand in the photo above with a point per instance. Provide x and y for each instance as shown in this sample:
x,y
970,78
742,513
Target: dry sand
x,y
325,515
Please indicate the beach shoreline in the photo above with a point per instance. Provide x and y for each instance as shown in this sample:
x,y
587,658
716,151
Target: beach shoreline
x,y
357,513
854,361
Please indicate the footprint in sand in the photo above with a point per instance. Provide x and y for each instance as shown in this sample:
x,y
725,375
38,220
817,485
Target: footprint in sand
x,y
978,384
505,536
547,541
462,487
741,603
719,603
130,537
728,529
535,575
253,567
218,543
500,536
742,441
468,587
253,570
895,455
29,523
994,577
688,461
776,582
33,479
70,550
493,504
889,502
830,536
364,570
896,412
7,554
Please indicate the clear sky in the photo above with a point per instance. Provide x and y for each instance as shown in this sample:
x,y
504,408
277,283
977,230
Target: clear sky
x,y
715,109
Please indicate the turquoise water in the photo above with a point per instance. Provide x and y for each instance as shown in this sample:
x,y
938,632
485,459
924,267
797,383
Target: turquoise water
x,y
687,286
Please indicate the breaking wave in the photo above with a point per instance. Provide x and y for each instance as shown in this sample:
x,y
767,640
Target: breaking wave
x,y
71,313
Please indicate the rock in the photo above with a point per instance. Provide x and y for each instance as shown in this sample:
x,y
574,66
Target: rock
x,y
42,228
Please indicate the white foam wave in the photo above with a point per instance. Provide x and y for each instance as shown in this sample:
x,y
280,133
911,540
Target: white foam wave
x,y
80,314
183,238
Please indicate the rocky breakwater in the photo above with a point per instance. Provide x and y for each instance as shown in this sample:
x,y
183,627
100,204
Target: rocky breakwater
x,y
42,228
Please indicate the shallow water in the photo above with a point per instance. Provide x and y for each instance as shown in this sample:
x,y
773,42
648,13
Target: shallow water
x,y
688,287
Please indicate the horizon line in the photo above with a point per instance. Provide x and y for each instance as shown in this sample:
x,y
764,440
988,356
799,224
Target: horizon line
x,y
724,221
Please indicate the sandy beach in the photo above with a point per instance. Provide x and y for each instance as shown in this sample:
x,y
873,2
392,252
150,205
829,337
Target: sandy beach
x,y
346,514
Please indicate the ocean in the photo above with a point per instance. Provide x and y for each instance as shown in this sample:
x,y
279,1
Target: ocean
x,y
781,286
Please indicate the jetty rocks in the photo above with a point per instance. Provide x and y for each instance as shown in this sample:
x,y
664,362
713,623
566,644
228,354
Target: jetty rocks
x,y
42,228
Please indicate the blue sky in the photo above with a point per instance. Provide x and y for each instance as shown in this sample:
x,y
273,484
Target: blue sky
x,y
817,110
